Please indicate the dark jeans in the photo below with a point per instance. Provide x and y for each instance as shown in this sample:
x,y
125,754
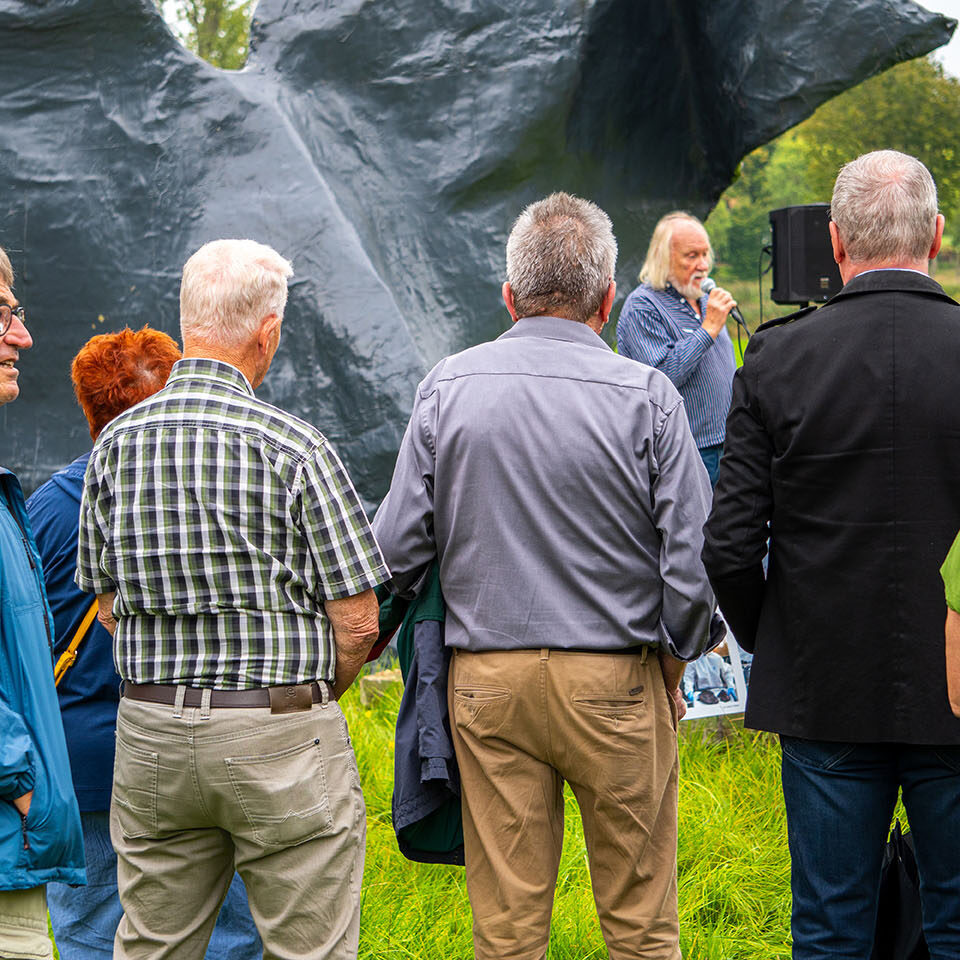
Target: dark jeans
x,y
840,799
711,460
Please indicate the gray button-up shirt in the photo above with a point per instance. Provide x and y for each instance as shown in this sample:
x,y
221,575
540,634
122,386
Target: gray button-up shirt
x,y
562,491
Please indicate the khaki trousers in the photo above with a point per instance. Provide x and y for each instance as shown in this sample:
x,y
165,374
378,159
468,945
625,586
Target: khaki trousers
x,y
525,721
23,925
275,795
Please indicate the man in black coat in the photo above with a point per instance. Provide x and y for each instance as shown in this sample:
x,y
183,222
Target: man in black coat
x,y
843,447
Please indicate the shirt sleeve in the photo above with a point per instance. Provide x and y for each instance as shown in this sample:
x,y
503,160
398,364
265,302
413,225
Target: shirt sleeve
x,y
950,571
680,491
336,528
737,530
91,541
642,335
404,522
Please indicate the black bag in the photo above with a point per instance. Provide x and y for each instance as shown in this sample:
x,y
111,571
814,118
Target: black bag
x,y
899,933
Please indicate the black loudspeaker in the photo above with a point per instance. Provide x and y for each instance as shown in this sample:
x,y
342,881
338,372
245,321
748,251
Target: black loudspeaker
x,y
803,267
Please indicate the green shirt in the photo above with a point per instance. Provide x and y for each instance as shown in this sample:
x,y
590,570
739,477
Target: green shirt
x,y
950,571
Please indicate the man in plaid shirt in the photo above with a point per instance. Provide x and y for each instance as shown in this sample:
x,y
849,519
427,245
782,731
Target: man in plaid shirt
x,y
234,564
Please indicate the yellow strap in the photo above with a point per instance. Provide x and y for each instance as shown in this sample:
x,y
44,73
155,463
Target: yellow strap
x,y
69,656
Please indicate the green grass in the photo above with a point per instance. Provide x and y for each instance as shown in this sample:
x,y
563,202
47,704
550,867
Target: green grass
x,y
733,863
732,860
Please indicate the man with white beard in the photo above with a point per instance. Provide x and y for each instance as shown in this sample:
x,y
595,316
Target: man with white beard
x,y
669,323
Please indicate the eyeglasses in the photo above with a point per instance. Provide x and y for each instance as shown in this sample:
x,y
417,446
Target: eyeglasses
x,y
7,313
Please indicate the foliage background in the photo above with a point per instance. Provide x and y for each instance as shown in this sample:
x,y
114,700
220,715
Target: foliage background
x,y
913,107
217,31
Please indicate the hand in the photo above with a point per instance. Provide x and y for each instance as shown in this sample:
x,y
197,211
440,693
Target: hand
x,y
680,702
23,803
719,305
105,611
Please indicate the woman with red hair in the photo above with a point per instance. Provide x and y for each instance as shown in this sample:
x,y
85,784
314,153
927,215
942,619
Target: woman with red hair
x,y
111,373
114,371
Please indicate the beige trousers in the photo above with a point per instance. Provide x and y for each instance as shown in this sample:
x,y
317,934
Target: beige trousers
x,y
275,795
23,925
524,722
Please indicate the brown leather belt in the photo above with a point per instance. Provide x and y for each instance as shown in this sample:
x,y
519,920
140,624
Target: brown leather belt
x,y
286,699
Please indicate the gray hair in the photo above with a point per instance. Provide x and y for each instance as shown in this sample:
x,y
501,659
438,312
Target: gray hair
x,y
561,256
6,269
228,287
656,266
885,208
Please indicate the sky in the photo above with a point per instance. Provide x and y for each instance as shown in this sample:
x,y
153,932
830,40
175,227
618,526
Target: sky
x,y
949,55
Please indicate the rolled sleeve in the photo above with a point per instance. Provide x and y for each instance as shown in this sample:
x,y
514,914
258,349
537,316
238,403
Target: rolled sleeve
x,y
90,576
680,492
341,541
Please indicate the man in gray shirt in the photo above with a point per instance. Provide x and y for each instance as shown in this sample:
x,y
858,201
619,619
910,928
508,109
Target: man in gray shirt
x,y
561,490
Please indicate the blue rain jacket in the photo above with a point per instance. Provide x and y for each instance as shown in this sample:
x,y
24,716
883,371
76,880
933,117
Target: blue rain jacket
x,y
47,844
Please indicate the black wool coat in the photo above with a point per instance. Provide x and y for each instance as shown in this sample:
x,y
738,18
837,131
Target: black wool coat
x,y
843,445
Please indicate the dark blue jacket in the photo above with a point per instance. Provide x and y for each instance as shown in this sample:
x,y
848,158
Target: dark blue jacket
x,y
426,786
47,844
90,689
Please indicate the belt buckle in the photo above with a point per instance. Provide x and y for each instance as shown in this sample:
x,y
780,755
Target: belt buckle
x,y
291,699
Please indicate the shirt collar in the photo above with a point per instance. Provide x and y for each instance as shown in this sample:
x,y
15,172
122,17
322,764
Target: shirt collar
x,y
206,368
881,269
554,328
906,281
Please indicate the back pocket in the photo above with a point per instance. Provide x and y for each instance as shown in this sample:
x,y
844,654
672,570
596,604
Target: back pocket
x,y
609,704
135,790
283,795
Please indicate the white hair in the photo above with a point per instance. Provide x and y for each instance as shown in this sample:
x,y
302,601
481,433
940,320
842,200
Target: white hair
x,y
656,266
561,256
228,287
885,208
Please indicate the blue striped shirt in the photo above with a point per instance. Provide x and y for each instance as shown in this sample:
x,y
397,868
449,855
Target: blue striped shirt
x,y
659,328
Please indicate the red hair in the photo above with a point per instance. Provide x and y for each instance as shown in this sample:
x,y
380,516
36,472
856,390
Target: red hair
x,y
113,371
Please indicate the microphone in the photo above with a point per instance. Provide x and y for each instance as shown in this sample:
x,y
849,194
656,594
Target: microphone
x,y
706,285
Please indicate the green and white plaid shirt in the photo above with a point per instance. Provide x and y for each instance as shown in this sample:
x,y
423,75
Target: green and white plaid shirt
x,y
223,524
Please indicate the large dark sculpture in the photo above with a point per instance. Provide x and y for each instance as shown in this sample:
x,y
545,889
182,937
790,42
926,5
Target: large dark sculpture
x,y
385,147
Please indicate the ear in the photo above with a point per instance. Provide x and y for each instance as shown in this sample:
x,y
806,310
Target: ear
x,y
508,300
607,304
937,237
838,252
268,336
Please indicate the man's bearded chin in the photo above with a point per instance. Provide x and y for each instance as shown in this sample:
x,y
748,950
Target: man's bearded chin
x,y
691,291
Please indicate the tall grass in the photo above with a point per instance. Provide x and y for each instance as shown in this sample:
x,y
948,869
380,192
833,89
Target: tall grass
x,y
732,859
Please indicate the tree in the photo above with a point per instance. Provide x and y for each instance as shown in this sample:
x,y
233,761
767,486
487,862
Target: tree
x,y
771,176
913,107
217,31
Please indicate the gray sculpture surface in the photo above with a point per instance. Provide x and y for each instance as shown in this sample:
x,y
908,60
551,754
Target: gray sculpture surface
x,y
384,146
